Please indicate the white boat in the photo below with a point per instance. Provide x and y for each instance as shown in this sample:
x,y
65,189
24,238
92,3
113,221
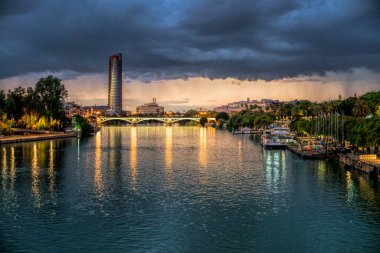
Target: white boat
x,y
277,137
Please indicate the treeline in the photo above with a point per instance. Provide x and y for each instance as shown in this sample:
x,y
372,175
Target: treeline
x,y
38,108
356,119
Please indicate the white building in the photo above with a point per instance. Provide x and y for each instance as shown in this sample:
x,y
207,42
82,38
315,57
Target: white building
x,y
150,109
238,106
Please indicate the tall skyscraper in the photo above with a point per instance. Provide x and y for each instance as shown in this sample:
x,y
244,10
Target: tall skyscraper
x,y
115,91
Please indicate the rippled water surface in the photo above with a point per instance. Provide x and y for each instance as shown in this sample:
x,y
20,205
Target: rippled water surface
x,y
179,189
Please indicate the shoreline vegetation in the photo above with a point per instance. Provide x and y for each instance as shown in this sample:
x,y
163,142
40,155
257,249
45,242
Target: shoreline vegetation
x,y
38,113
353,122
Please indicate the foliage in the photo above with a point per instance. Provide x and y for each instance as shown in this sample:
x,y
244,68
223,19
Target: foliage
x,y
302,126
83,126
360,108
222,115
203,121
191,113
211,114
366,132
3,102
39,108
15,102
256,120
51,95
192,123
6,125
221,122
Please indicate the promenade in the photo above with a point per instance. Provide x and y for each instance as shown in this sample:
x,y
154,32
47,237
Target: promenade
x,y
35,137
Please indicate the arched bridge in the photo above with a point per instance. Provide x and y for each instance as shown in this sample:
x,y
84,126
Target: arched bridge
x,y
136,120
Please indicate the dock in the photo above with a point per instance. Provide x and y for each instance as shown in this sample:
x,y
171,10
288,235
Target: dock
x,y
306,154
35,137
247,131
369,163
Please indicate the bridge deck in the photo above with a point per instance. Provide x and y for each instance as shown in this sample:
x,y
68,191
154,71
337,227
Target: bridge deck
x,y
136,120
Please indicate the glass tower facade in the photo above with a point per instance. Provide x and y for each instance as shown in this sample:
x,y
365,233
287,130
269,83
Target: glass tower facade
x,y
115,91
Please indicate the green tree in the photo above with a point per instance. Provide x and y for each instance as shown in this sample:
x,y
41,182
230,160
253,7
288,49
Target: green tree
x,y
203,121
83,126
191,113
51,94
222,115
263,120
361,108
16,102
347,105
372,99
3,102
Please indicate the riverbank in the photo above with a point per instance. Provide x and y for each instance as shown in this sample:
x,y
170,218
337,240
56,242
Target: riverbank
x,y
35,137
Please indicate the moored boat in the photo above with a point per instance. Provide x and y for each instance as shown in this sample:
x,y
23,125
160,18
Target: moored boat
x,y
278,137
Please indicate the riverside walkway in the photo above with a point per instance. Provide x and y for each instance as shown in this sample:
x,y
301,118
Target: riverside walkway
x,y
35,137
369,164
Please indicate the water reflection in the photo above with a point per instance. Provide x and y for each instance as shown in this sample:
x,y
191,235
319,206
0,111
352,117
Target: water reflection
x,y
51,167
351,188
203,147
133,158
168,154
321,171
98,179
4,170
35,181
275,168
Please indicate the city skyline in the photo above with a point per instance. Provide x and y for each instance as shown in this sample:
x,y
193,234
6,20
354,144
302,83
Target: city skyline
x,y
194,54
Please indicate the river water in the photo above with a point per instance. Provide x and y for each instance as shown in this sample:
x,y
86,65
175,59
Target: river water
x,y
179,189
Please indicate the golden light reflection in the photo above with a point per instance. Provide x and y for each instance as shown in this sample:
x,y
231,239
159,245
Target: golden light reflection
x,y
35,182
51,167
322,171
4,169
168,153
203,147
367,192
133,159
12,168
98,178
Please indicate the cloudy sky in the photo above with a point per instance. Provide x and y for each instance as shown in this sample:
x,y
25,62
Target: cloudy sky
x,y
194,53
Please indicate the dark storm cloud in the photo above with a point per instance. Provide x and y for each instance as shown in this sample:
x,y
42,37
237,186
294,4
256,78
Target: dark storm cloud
x,y
163,39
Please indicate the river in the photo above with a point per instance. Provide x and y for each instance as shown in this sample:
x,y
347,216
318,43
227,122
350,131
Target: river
x,y
179,189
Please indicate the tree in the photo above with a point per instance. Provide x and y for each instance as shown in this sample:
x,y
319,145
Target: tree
x,y
372,99
361,108
211,114
51,94
191,113
203,121
83,126
15,103
3,102
347,105
222,115
263,120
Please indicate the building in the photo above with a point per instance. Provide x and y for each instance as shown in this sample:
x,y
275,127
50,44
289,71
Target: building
x,y
255,105
115,90
150,109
